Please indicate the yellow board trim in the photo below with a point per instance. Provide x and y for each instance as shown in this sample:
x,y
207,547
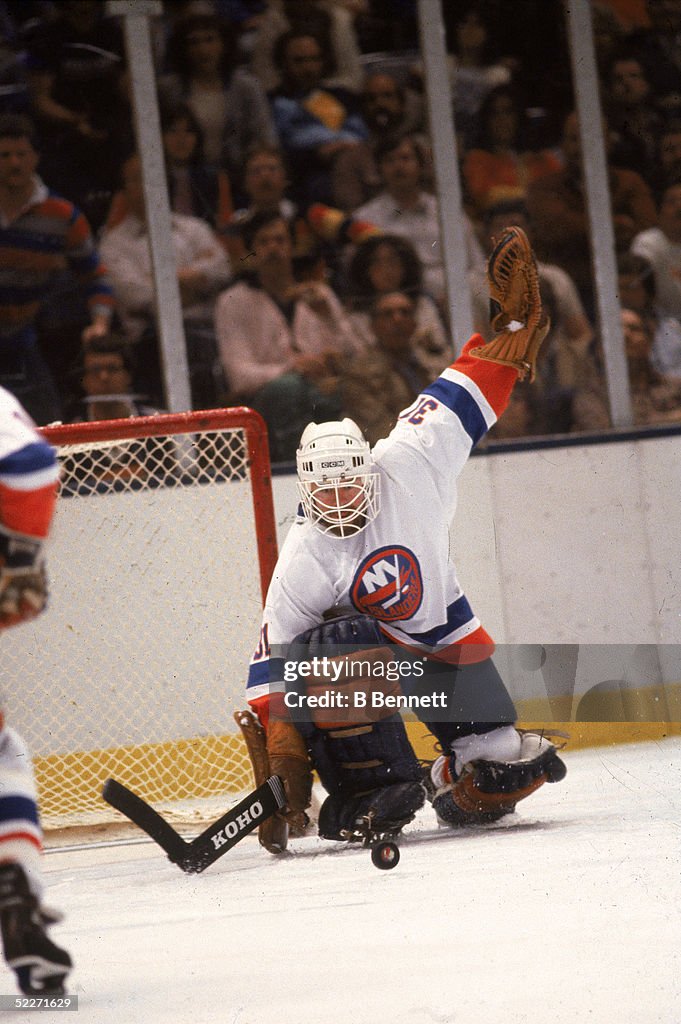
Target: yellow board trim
x,y
201,767
195,768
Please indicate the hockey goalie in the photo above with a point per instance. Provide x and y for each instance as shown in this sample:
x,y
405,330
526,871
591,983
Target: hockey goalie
x,y
372,539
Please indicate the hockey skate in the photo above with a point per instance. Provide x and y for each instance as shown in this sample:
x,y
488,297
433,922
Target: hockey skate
x,y
373,819
485,789
41,966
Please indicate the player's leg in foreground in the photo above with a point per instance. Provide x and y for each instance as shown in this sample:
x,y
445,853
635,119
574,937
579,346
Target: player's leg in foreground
x,y
39,964
372,777
28,481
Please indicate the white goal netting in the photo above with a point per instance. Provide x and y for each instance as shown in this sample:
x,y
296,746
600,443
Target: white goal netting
x,y
162,543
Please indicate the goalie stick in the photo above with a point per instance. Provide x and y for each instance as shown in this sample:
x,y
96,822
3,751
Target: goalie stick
x,y
195,856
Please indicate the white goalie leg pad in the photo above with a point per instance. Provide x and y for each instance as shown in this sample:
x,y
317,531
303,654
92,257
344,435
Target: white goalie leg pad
x,y
490,783
439,772
506,744
532,744
503,744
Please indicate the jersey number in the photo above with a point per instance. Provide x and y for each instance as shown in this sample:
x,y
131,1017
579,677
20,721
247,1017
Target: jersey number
x,y
262,651
417,414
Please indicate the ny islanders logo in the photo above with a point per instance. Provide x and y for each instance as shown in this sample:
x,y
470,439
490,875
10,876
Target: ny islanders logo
x,y
388,585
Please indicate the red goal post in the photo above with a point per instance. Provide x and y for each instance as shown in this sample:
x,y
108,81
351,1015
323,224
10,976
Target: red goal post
x,y
163,545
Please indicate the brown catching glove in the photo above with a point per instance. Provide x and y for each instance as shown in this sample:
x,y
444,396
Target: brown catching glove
x,y
516,310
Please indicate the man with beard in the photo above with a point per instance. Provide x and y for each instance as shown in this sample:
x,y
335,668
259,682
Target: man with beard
x,y
389,111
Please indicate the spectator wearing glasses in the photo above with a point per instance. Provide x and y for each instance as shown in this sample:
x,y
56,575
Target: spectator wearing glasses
x,y
107,373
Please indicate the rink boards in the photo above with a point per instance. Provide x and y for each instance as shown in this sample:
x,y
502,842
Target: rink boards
x,y
568,555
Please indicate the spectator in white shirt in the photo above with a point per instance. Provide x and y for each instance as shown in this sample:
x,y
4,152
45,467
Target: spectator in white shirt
x,y
661,247
636,290
202,270
405,208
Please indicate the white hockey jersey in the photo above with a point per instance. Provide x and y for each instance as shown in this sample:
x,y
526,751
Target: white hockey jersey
x,y
399,569
16,426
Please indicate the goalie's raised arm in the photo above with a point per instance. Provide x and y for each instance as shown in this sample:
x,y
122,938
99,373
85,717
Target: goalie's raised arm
x,y
452,415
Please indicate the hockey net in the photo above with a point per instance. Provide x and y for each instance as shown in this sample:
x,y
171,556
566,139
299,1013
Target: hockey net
x,y
161,551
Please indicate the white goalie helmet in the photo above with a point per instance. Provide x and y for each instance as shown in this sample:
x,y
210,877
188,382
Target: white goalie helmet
x,y
337,483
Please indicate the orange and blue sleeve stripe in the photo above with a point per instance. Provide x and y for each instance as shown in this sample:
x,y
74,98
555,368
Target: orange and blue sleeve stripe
x,y
475,390
265,689
28,489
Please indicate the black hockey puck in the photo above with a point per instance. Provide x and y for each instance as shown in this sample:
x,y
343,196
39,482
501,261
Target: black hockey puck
x,y
385,856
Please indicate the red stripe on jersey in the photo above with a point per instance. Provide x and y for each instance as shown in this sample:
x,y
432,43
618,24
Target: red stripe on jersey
x,y
494,380
58,207
270,705
477,646
28,511
25,836
261,707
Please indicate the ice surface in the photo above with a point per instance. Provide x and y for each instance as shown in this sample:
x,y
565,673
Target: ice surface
x,y
569,912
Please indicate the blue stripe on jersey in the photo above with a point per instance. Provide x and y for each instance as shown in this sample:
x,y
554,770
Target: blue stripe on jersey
x,y
462,404
99,287
18,808
264,672
30,459
258,674
458,614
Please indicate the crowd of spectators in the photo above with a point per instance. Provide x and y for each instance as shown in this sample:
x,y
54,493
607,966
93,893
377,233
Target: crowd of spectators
x,y
304,216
